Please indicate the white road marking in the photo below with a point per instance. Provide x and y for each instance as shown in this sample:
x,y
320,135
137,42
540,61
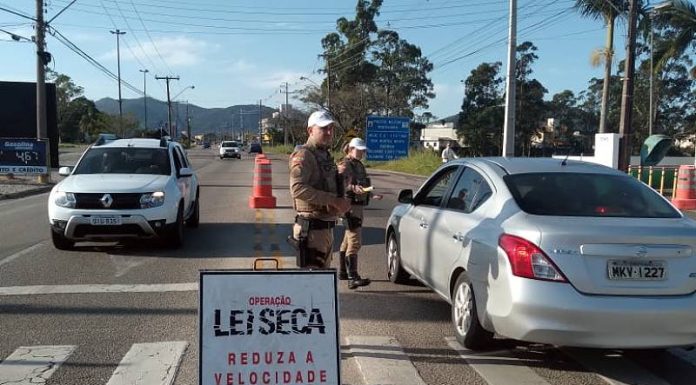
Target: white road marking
x,y
614,370
507,371
149,364
31,365
382,361
123,264
90,289
20,253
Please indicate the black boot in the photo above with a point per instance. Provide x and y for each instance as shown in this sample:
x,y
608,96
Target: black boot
x,y
342,275
354,279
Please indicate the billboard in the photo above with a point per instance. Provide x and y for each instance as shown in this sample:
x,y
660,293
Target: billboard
x,y
18,113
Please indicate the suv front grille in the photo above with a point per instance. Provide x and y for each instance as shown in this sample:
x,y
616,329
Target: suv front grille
x,y
122,201
127,229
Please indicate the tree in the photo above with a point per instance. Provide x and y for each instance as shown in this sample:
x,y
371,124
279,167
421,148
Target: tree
x,y
680,20
609,11
481,118
66,91
530,97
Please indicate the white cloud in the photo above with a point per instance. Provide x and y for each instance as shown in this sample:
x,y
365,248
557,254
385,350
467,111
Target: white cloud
x,y
273,80
178,51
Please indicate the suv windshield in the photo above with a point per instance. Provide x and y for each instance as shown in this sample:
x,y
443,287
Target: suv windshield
x,y
125,161
230,144
587,195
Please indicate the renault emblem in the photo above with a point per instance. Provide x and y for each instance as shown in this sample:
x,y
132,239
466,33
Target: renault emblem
x,y
106,200
642,251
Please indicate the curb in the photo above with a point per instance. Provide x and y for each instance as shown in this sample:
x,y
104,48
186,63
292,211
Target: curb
x,y
26,193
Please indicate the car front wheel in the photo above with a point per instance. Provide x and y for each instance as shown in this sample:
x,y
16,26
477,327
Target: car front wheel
x,y
395,272
194,218
60,241
175,235
467,327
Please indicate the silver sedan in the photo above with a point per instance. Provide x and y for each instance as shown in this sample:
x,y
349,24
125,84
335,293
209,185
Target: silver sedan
x,y
550,251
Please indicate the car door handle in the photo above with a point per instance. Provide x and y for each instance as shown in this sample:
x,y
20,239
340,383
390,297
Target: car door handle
x,y
423,225
458,237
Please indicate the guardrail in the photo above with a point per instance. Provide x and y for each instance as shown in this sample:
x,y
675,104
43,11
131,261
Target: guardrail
x,y
661,178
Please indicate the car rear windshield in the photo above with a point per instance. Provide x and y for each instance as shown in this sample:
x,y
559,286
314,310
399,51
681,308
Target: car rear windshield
x,y
230,144
100,160
587,195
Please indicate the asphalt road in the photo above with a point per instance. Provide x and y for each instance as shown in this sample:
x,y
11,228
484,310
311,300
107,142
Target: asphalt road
x,y
86,301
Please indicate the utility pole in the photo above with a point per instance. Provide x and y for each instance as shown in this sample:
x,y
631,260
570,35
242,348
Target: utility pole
x,y
169,102
627,95
509,128
328,81
188,125
41,60
260,128
145,71
118,34
285,114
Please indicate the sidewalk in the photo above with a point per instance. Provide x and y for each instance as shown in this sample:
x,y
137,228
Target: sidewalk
x,y
25,185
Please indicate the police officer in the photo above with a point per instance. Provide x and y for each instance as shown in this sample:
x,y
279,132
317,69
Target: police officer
x,y
315,193
358,190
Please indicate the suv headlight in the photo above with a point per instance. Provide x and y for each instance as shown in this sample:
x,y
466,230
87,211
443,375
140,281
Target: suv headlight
x,y
65,199
150,200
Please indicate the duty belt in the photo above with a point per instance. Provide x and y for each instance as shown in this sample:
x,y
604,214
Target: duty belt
x,y
315,224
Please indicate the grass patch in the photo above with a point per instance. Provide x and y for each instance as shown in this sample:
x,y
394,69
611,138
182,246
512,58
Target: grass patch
x,y
418,162
279,149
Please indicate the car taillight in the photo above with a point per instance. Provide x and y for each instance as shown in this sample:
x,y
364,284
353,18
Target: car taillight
x,y
528,261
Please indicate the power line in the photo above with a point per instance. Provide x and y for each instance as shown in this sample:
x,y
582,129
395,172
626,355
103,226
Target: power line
x,y
150,37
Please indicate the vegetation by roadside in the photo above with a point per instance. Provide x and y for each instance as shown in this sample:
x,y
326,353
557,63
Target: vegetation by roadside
x,y
419,162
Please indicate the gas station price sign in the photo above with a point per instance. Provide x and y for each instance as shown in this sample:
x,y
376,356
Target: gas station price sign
x,y
22,156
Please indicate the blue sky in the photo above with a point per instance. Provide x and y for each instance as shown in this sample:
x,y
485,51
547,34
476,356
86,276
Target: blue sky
x,y
237,52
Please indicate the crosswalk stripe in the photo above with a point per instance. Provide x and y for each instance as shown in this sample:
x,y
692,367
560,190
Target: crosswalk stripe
x,y
98,288
149,364
31,365
613,369
506,372
686,355
382,361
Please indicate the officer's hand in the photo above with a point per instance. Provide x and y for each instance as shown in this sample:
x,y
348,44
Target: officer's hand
x,y
341,205
358,189
377,197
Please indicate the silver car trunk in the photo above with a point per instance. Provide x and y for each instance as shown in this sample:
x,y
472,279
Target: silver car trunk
x,y
621,256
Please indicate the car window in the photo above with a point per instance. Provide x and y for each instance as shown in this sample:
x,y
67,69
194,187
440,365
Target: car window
x,y
587,195
182,157
436,188
178,164
470,192
230,144
100,160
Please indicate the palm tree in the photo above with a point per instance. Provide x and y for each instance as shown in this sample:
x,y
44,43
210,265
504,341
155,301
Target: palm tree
x,y
680,16
609,11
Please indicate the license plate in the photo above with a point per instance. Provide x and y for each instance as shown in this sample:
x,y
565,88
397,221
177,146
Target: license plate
x,y
637,270
105,221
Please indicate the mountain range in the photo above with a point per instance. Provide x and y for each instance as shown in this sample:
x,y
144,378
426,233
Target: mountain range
x,y
233,119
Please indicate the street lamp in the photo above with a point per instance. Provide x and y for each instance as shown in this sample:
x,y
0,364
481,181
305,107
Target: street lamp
x,y
177,106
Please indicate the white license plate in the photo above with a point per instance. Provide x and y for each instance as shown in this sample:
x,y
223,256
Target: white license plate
x,y
637,270
105,221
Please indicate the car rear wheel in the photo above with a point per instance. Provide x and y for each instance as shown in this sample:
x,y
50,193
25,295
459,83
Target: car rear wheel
x,y
467,327
175,236
194,219
60,241
395,272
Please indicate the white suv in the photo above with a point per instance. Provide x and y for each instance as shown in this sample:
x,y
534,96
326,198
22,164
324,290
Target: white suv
x,y
230,149
128,188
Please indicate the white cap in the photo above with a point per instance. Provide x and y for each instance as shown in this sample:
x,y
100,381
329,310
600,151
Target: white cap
x,y
320,118
357,143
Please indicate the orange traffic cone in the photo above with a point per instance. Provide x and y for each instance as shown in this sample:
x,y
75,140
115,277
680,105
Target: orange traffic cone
x,y
685,196
262,194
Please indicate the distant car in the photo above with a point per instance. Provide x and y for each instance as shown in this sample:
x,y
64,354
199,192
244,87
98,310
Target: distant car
x,y
206,144
230,149
542,250
126,189
255,148
105,138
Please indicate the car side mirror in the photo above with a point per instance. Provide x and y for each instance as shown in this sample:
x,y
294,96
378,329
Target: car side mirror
x,y
185,171
64,171
406,196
